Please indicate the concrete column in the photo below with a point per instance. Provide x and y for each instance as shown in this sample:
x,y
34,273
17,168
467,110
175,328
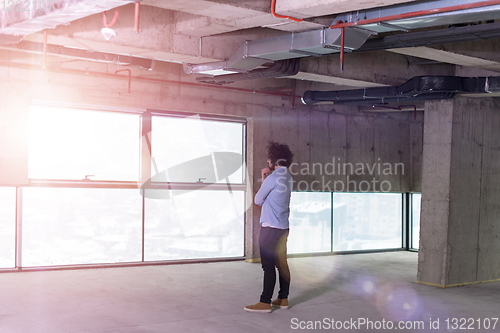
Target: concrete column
x,y
13,135
459,224
252,214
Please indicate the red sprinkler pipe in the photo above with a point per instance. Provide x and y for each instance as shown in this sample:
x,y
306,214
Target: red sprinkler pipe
x,y
414,110
136,18
105,20
273,11
342,36
137,78
418,13
44,57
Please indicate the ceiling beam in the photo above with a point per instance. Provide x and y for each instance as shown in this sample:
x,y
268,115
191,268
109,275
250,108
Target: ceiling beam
x,y
205,18
313,8
161,36
158,38
374,67
487,61
209,17
200,26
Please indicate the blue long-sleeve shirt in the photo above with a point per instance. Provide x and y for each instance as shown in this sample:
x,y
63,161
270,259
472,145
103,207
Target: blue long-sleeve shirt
x,y
274,197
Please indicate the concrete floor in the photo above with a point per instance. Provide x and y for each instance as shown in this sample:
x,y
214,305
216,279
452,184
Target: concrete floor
x,y
210,298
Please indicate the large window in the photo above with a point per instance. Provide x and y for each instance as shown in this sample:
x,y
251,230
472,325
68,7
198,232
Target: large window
x,y
310,222
194,224
361,221
66,226
196,207
76,144
191,149
91,200
136,186
7,226
367,221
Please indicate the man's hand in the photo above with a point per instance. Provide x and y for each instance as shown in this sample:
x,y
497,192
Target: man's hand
x,y
265,172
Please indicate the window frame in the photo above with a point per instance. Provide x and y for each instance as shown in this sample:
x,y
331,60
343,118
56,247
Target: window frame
x,y
144,174
90,183
332,251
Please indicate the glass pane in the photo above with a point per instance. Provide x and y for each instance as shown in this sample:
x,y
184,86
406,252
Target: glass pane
x,y
366,221
310,222
416,200
71,144
193,150
7,227
194,224
67,226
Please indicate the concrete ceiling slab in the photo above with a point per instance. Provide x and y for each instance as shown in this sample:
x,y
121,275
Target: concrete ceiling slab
x,y
200,26
206,8
226,16
203,31
104,46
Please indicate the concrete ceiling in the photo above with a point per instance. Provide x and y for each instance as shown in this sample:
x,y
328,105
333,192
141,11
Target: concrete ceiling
x,y
201,31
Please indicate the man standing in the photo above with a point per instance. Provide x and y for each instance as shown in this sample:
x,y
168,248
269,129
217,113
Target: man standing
x,y
274,197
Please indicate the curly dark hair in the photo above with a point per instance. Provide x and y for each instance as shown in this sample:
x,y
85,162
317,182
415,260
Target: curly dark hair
x,y
279,154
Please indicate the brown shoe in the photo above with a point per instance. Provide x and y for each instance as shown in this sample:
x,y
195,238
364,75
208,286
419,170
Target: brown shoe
x,y
280,303
259,307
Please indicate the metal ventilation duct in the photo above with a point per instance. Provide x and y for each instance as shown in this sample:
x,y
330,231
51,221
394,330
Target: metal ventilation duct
x,y
441,36
281,68
417,88
484,12
253,54
19,20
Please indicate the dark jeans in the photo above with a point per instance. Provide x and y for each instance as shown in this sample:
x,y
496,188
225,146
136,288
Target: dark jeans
x,y
272,245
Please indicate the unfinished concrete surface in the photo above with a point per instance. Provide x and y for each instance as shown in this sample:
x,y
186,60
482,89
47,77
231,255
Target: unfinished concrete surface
x,y
459,220
210,298
373,147
459,235
204,31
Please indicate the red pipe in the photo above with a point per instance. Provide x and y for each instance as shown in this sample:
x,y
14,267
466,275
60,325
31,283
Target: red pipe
x,y
105,20
273,8
44,57
418,13
136,18
342,35
414,110
138,78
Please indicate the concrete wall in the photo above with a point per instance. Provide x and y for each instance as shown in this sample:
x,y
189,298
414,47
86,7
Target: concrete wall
x,y
460,224
374,147
489,226
345,152
380,152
